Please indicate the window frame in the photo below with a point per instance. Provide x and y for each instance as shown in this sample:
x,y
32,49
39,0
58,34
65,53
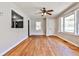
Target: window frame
x,y
67,15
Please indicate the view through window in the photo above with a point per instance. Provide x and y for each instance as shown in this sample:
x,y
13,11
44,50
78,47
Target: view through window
x,y
38,25
68,23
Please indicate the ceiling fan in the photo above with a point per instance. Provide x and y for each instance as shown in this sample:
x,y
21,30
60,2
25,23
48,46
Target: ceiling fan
x,y
45,12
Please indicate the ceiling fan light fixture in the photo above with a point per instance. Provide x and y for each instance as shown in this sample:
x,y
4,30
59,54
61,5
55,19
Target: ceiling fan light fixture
x,y
44,14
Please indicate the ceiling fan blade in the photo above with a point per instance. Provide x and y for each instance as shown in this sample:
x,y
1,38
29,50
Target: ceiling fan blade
x,y
49,13
49,10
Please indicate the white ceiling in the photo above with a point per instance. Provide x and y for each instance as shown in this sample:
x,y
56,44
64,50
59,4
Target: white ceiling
x,y
32,8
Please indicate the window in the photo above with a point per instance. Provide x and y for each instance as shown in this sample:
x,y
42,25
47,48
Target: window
x,y
68,23
38,25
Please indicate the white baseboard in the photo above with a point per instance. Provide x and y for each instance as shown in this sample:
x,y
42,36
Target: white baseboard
x,y
67,40
13,46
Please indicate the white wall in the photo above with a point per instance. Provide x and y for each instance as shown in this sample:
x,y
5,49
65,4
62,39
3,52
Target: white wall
x,y
50,23
10,36
69,37
49,29
33,30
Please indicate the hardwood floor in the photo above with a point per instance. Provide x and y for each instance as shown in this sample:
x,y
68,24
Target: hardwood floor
x,y
44,46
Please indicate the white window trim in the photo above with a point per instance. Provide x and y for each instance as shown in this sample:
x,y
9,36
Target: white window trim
x,y
64,20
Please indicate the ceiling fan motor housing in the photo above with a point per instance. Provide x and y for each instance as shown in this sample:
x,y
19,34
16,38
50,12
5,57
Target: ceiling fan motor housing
x,y
44,10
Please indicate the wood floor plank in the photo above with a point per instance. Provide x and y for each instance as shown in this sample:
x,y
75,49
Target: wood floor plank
x,y
44,46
